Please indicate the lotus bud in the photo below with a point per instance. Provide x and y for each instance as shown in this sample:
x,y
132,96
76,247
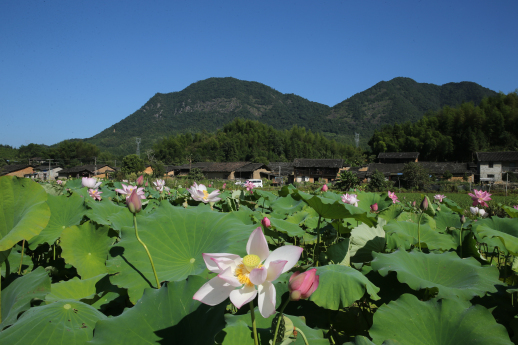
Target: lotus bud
x,y
265,222
462,219
413,203
140,180
374,207
302,285
324,188
424,204
146,184
134,203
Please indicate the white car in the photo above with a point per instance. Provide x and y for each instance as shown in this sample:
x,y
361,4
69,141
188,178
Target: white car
x,y
256,182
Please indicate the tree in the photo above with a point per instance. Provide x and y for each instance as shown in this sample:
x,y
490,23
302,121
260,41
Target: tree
x,y
415,175
377,182
132,164
158,169
196,174
347,180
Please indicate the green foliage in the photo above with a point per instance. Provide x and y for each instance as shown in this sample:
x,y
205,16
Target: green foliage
x,y
158,169
415,175
347,180
196,174
447,175
377,182
132,164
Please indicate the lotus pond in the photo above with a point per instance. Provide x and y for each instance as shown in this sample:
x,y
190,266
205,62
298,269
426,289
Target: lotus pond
x,y
75,270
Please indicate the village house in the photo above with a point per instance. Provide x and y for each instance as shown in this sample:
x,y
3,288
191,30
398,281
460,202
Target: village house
x,y
251,171
43,173
278,172
491,165
398,157
19,170
312,170
459,171
86,171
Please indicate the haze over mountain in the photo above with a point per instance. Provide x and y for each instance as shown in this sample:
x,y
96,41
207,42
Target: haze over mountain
x,y
211,103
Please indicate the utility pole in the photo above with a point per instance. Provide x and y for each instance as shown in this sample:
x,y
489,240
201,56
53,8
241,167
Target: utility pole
x,y
49,168
138,147
95,168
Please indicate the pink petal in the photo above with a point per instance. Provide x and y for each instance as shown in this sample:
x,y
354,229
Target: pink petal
x,y
258,275
275,269
257,244
266,299
243,296
288,253
312,289
213,292
212,265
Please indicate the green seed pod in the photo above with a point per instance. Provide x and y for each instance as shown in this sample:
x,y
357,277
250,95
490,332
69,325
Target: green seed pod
x,y
286,328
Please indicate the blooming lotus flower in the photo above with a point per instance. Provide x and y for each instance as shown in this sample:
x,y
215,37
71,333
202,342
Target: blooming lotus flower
x,y
265,222
59,182
480,197
324,188
515,207
249,186
439,197
159,184
94,193
199,193
257,269
374,207
224,185
302,285
90,182
351,199
127,190
393,196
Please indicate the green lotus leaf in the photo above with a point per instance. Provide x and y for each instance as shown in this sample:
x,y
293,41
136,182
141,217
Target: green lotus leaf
x,y
444,322
287,205
65,212
245,215
298,217
453,276
511,211
266,195
368,199
165,316
339,253
506,229
74,288
360,340
86,248
23,210
76,183
101,211
452,205
287,228
365,240
445,220
176,238
416,218
236,334
341,286
14,258
53,189
66,322
17,297
393,212
400,234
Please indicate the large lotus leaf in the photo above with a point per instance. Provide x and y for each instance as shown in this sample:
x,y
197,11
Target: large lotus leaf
x,y
101,211
121,219
287,228
86,248
365,240
417,218
452,205
74,288
76,183
393,212
176,238
368,199
339,253
23,210
444,322
66,322
511,211
341,286
405,234
17,297
65,212
236,334
506,229
266,195
53,189
287,205
444,220
165,316
361,340
453,276
14,258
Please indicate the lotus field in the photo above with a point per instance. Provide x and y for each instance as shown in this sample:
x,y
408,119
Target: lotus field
x,y
85,262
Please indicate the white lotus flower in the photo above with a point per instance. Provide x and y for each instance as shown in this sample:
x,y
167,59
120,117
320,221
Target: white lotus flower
x,y
199,193
473,210
258,269
351,199
90,182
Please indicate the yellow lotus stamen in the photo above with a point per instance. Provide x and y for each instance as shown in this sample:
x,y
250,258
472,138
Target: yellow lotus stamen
x,y
242,275
205,194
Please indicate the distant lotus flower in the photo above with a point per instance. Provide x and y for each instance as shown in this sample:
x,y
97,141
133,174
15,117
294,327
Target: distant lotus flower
x,y
324,188
140,180
393,196
482,213
439,197
374,207
414,203
199,193
249,186
224,185
94,193
515,207
265,222
351,199
480,197
127,190
59,182
159,184
302,285
210,184
473,210
90,182
133,201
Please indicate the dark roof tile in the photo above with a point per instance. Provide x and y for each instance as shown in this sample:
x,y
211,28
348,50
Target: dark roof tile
x,y
318,163
502,156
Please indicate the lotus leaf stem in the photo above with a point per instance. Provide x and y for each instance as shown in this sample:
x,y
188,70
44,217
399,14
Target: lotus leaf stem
x,y
303,336
316,252
1,291
147,251
21,260
279,321
460,240
254,326
419,231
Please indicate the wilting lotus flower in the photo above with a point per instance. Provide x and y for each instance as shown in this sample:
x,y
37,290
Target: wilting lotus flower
x,y
324,188
140,180
133,201
439,197
199,193
480,197
94,193
393,197
374,207
127,190
159,184
302,285
259,268
90,182
265,222
351,199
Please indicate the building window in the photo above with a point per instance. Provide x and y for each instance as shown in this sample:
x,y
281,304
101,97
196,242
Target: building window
x,y
490,164
490,175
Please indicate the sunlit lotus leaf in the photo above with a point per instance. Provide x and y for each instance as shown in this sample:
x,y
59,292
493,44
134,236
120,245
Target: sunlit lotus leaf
x,y
53,189
76,183
365,240
66,322
101,211
444,220
287,228
393,212
121,219
245,215
176,238
287,205
339,253
266,195
298,217
436,322
74,288
165,316
238,333
452,205
404,235
453,276
86,248
368,199
14,258
17,297
65,212
341,286
23,210
506,229
416,218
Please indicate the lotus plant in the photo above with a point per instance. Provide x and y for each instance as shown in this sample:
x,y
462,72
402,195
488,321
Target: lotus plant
x,y
94,193
478,212
480,197
249,186
439,197
393,196
199,193
90,182
351,199
127,190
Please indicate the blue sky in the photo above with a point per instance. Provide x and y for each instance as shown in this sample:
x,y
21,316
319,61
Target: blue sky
x,y
70,69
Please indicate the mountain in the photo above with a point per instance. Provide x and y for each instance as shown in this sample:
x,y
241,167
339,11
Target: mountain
x,y
211,103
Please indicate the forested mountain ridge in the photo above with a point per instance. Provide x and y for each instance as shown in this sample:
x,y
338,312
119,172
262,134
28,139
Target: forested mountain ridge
x,y
211,103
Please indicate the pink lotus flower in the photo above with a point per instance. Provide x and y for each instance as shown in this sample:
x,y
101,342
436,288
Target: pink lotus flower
x,y
351,199
257,269
133,201
140,180
210,185
439,197
127,190
393,197
324,188
374,207
480,197
224,185
515,207
265,222
94,193
249,186
302,285
90,182
59,182
159,184
199,193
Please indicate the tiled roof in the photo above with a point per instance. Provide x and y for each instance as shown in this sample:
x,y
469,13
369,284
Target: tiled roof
x,y
318,163
413,155
224,166
251,167
198,165
386,168
6,169
441,167
90,168
502,156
